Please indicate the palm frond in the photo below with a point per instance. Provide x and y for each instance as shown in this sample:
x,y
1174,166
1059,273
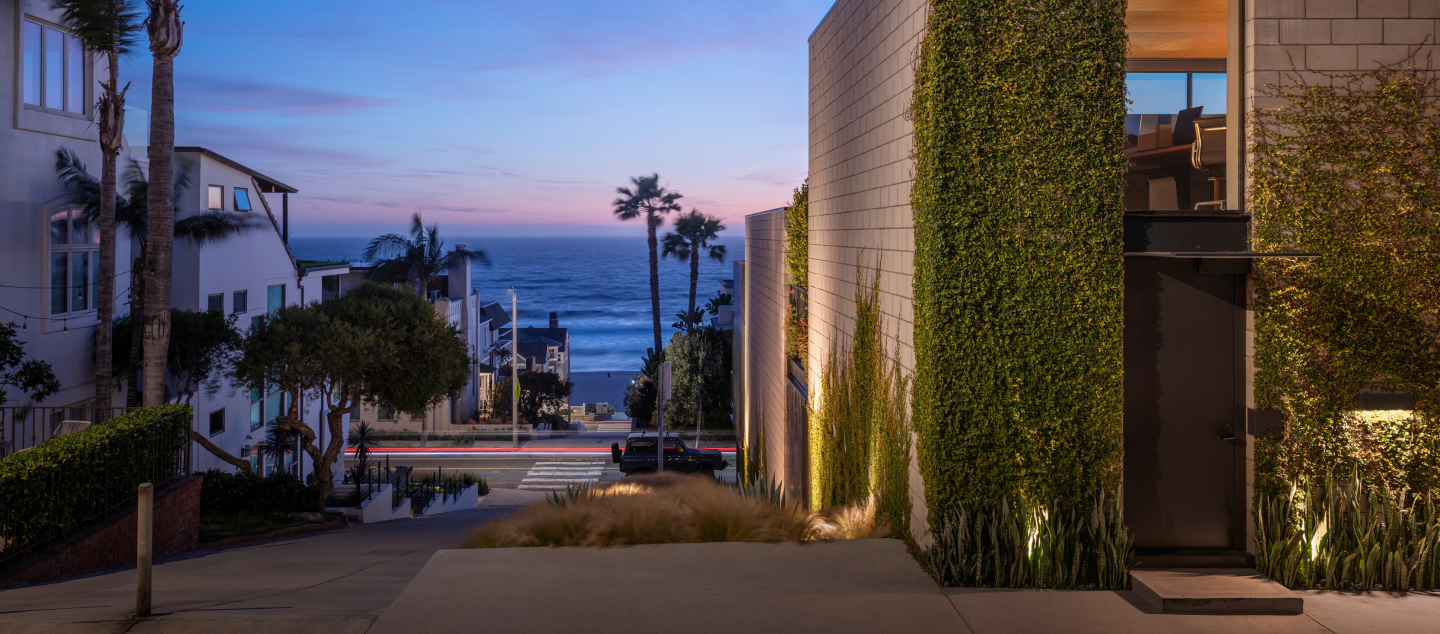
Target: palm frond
x,y
83,188
102,25
388,246
214,226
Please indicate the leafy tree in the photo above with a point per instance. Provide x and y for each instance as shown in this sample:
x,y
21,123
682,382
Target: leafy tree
x,y
164,27
202,347
693,234
131,215
416,259
641,394
33,377
700,379
379,345
111,28
540,392
646,197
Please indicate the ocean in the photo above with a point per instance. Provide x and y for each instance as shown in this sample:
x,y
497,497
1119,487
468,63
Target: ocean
x,y
600,286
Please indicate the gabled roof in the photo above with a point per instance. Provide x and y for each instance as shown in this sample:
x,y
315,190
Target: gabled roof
x,y
498,316
267,185
545,336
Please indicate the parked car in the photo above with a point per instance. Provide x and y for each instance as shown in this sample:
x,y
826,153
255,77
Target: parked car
x,y
639,455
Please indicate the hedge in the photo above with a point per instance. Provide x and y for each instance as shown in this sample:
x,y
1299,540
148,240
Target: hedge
x,y
1348,168
1019,113
49,491
223,492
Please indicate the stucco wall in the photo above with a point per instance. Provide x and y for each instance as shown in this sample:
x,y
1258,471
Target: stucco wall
x,y
861,77
764,304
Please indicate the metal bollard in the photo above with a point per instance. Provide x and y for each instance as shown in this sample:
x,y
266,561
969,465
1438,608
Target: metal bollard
x,y
144,527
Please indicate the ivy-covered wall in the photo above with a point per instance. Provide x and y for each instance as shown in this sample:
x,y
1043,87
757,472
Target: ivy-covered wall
x,y
1348,168
1019,114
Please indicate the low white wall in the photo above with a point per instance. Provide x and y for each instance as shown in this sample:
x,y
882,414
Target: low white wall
x,y
468,499
377,508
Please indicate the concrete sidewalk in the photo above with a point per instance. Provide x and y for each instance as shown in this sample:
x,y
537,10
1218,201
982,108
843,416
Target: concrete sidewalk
x,y
336,581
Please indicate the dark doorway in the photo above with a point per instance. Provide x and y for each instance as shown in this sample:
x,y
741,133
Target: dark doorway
x,y
1183,398
797,440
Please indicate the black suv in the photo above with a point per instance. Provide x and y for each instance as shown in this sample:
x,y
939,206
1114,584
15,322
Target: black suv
x,y
639,455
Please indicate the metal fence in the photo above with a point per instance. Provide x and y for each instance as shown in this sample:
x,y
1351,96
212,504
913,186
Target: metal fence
x,y
45,501
26,427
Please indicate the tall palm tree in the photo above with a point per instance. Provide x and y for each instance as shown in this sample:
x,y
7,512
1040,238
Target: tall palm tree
x,y
109,27
165,29
417,258
694,232
131,214
646,197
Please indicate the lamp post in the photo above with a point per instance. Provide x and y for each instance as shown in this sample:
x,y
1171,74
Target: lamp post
x,y
662,395
514,369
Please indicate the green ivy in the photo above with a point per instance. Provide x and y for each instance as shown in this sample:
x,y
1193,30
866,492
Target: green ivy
x,y
51,490
797,236
1347,168
859,432
1019,113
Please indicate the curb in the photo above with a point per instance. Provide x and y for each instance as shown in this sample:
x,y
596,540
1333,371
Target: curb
x,y
279,532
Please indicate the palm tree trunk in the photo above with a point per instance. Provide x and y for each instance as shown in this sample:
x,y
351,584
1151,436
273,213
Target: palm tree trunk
x,y
694,279
164,26
653,221
137,313
112,123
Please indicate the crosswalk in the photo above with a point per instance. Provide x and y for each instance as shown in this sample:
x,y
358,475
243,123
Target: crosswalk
x,y
555,475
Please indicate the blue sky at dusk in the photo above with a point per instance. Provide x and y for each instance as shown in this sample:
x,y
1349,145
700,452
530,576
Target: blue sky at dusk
x,y
508,118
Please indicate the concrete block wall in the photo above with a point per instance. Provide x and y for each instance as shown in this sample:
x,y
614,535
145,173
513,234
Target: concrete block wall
x,y
861,80
111,544
1331,36
766,290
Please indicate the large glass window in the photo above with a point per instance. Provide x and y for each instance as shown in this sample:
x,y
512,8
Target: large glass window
x,y
53,67
74,262
274,297
1169,93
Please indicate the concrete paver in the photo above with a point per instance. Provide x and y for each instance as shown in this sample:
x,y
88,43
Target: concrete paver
x,y
868,586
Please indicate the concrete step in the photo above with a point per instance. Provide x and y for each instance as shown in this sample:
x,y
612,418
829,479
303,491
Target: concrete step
x,y
1214,591
1195,559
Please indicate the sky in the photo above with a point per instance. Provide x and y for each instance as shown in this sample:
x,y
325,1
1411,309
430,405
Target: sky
x,y
497,118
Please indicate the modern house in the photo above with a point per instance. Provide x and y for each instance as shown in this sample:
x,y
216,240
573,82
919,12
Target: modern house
x,y
1188,323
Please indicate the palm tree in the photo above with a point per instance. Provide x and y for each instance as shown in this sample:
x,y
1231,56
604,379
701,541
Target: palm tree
x,y
415,259
694,233
131,214
165,29
110,27
649,198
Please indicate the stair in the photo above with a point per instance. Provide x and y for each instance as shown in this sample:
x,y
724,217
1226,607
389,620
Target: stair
x,y
1213,591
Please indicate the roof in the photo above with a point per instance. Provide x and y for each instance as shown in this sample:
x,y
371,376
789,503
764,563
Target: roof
x,y
544,336
314,265
777,210
267,185
496,313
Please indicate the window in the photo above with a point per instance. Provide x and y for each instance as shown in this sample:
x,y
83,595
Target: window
x,y
1169,93
217,421
216,198
216,303
385,413
274,297
329,287
54,65
242,199
240,303
74,262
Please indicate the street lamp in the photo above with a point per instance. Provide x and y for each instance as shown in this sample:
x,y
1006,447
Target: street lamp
x,y
514,369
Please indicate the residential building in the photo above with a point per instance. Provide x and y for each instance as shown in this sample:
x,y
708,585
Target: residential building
x,y
1205,62
546,349
49,256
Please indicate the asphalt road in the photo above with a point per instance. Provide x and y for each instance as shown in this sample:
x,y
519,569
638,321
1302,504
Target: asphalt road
x,y
524,471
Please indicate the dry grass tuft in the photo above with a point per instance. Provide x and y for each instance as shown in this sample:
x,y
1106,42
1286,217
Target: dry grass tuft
x,y
669,508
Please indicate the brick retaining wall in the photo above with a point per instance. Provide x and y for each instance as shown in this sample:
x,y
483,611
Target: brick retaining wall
x,y
111,544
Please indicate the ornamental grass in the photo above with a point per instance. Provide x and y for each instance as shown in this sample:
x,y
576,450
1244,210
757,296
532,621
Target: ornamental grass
x,y
669,508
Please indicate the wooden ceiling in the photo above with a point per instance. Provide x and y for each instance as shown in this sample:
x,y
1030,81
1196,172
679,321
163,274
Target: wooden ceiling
x,y
1176,28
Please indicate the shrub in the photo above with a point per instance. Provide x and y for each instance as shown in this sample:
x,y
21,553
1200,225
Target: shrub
x,y
233,492
667,508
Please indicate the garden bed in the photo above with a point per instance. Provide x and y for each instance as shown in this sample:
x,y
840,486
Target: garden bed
x,y
223,527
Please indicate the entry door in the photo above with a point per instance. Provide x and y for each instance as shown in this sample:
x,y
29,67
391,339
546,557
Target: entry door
x,y
1183,399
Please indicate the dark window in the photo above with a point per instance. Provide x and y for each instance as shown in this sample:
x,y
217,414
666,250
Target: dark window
x,y
329,287
241,303
274,297
642,445
217,421
216,303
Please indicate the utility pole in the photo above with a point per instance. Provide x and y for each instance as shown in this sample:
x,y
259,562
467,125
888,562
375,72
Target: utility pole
x,y
514,369
663,394
144,526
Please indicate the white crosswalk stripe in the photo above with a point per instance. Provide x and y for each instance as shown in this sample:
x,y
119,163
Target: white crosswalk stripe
x,y
555,475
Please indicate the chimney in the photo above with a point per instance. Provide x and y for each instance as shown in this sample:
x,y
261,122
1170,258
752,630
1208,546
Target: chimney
x,y
459,278
554,320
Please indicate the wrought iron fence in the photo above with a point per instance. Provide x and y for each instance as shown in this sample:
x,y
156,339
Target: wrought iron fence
x,y
365,483
400,482
422,494
45,497
25,427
